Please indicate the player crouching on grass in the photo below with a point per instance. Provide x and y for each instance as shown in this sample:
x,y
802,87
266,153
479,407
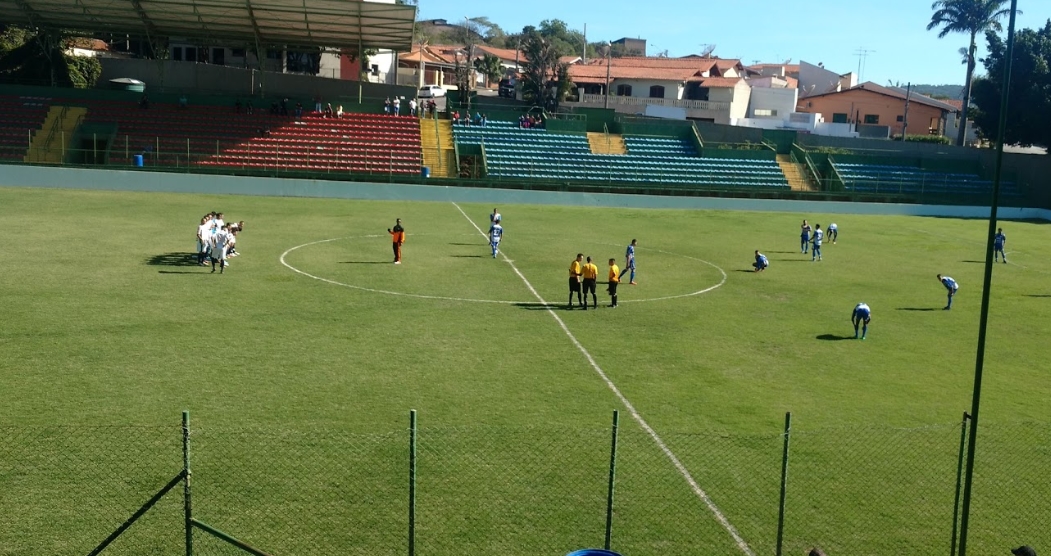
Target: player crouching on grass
x,y
861,314
761,262
234,230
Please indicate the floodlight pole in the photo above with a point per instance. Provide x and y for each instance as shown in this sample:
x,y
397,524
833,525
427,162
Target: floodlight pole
x,y
609,54
987,283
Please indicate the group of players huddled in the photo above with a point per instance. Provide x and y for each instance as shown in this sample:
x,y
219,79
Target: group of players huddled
x,y
217,240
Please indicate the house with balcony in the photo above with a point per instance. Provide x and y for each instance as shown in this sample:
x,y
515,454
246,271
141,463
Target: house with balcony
x,y
698,88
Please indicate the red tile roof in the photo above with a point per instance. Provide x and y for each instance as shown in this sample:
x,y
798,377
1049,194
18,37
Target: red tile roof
x,y
892,92
720,81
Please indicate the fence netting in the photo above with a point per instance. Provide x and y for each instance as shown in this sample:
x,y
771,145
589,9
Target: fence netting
x,y
521,490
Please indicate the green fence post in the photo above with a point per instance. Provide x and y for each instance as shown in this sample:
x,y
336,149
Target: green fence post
x,y
187,503
784,483
412,482
959,478
612,479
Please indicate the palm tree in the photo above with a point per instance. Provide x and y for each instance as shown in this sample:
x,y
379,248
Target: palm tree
x,y
971,17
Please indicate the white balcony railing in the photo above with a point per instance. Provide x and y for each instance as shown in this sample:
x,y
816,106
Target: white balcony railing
x,y
643,101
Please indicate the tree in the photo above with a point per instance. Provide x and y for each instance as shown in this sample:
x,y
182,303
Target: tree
x,y
1029,99
545,79
490,67
40,58
971,17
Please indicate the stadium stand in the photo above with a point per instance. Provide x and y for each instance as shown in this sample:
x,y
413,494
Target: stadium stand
x,y
21,116
884,178
513,152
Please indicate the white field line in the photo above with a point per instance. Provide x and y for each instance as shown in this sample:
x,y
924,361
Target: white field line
x,y
741,544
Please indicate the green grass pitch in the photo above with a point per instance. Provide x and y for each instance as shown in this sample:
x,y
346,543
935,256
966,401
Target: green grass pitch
x,y
299,387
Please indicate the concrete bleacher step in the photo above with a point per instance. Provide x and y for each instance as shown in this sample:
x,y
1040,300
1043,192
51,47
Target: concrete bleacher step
x,y
794,173
436,141
606,143
49,143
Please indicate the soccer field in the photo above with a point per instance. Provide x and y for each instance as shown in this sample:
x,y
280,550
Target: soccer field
x,y
299,366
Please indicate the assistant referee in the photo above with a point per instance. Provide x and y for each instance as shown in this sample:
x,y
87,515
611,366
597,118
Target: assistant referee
x,y
574,281
590,274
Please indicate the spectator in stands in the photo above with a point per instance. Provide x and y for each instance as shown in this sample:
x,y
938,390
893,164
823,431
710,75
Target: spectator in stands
x,y
432,106
317,103
456,116
396,106
183,103
299,111
412,107
485,120
328,110
274,109
249,108
339,112
477,118
521,121
386,106
144,102
237,105
284,106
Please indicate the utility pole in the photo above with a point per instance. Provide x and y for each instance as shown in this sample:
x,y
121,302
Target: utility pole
x,y
609,54
905,119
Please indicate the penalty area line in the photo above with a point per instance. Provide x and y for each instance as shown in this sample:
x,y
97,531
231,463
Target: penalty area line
x,y
696,488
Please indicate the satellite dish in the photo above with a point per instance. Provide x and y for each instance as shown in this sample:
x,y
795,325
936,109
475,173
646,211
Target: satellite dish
x,y
708,49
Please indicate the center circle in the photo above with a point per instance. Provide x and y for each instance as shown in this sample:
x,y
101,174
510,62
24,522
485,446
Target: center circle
x,y
476,240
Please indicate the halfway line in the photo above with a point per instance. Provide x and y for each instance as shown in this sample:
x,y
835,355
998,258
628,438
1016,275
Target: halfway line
x,y
741,544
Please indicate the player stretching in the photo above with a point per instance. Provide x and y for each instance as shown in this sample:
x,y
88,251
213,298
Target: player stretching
x,y
818,236
998,245
590,274
629,263
614,281
861,315
950,285
833,232
761,262
575,269
496,231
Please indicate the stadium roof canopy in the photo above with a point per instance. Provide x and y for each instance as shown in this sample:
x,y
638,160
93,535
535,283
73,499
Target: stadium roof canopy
x,y
322,23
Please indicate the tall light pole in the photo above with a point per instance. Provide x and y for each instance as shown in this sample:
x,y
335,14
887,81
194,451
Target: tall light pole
x,y
609,52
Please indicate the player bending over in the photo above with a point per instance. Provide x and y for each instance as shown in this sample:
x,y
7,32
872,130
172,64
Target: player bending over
x,y
496,231
833,232
950,285
761,262
861,315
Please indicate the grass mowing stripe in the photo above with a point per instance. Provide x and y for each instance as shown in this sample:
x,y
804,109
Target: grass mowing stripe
x,y
741,544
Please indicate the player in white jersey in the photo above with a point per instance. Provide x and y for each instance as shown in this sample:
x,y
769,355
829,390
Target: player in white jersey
x,y
220,242
204,240
833,232
818,236
495,217
950,285
496,232
861,315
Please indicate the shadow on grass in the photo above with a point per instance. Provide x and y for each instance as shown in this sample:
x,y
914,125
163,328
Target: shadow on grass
x,y
793,260
1038,295
202,272
537,306
475,244
366,262
918,309
466,256
743,270
973,262
833,337
784,252
173,259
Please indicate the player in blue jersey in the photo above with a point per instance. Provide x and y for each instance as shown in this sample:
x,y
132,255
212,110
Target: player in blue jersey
x,y
761,262
818,237
862,315
496,232
804,237
629,263
950,285
998,245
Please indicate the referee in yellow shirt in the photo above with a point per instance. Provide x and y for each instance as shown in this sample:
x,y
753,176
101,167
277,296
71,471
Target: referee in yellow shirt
x,y
574,280
590,274
614,280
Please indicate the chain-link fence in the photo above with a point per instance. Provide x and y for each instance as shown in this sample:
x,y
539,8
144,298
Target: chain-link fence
x,y
519,490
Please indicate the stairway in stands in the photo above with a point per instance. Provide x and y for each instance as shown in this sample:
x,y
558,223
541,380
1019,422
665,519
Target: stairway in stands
x,y
793,173
606,143
49,143
436,140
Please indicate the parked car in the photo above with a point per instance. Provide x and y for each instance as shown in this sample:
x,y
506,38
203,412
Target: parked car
x,y
431,91
507,88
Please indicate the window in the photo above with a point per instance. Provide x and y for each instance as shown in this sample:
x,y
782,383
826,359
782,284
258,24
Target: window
x,y
871,118
177,54
237,53
657,91
623,90
219,56
901,119
272,54
840,118
191,54
765,112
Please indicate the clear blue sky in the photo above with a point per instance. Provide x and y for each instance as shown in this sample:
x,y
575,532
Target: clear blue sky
x,y
828,31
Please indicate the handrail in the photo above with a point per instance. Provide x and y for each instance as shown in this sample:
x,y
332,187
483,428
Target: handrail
x,y
54,127
807,162
438,142
485,163
835,172
697,134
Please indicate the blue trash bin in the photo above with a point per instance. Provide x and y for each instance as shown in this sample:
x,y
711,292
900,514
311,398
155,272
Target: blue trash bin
x,y
425,171
136,160
593,552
